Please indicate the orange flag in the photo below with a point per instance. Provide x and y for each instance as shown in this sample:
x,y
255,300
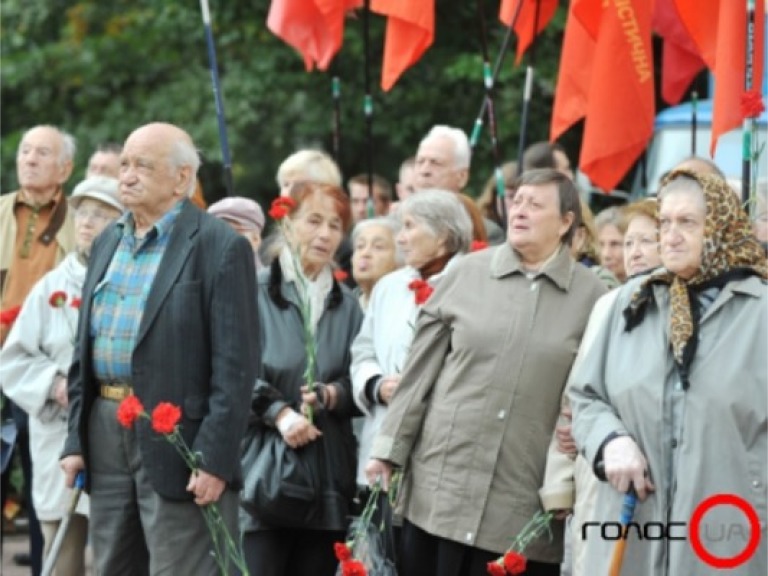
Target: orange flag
x,y
680,57
524,26
620,108
410,31
574,77
313,27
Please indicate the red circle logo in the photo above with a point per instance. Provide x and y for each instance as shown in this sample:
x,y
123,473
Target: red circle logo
x,y
754,531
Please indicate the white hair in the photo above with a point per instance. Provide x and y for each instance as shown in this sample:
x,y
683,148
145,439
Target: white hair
x,y
183,153
389,222
443,214
462,153
68,143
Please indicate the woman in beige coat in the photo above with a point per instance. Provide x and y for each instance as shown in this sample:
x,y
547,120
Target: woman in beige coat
x,y
672,395
480,392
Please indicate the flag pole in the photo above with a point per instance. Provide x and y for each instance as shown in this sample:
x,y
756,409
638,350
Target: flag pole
x,y
748,125
368,105
225,156
499,205
336,94
694,120
529,74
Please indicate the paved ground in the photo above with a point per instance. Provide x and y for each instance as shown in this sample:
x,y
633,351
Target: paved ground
x,y
12,544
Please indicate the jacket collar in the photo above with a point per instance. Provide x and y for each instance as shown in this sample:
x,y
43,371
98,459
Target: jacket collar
x,y
558,269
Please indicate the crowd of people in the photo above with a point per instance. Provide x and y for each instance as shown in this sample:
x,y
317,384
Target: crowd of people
x,y
485,361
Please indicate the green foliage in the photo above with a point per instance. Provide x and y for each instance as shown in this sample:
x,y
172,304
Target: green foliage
x,y
101,69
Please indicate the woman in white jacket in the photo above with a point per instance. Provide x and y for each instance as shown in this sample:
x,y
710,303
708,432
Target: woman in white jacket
x,y
435,230
34,363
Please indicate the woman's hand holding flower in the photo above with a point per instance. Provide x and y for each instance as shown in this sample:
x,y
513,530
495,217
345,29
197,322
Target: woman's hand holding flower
x,y
378,470
295,429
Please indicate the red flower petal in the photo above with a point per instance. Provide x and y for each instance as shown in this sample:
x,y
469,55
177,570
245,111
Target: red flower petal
x,y
421,290
342,551
353,568
340,275
752,104
129,411
75,303
58,299
281,207
8,316
165,417
514,563
496,569
478,245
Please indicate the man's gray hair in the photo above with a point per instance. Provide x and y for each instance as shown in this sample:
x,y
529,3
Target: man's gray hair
x,y
461,150
393,224
443,214
184,154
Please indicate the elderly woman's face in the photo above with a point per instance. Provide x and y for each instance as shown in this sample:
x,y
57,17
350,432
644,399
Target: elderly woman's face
x,y
681,230
91,217
374,254
317,232
417,242
535,223
641,245
610,244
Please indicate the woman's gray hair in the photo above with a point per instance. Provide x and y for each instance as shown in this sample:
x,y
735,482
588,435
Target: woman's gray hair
x,y
443,214
183,153
389,222
609,216
683,183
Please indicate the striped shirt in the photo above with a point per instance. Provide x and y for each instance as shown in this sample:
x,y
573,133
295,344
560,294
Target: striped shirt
x,y
119,299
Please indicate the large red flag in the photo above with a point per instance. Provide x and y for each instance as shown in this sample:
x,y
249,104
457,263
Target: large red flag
x,y
719,30
574,77
620,110
313,27
410,31
524,26
680,58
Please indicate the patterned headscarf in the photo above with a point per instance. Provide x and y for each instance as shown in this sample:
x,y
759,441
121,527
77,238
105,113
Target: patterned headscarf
x,y
730,252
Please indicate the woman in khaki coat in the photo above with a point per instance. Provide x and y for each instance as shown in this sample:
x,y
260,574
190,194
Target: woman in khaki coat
x,y
672,394
480,392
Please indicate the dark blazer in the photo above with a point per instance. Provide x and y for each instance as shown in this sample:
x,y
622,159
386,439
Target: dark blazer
x,y
197,347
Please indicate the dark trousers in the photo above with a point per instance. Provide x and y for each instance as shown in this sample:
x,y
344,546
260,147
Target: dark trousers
x,y
422,554
291,552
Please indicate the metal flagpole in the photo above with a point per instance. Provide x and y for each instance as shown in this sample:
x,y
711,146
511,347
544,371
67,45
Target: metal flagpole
x,y
529,74
336,92
368,106
748,124
217,97
694,120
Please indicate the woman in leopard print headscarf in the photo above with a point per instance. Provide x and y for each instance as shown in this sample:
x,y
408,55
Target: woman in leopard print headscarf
x,y
672,395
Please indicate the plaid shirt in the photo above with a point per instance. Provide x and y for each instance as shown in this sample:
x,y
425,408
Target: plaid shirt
x,y
119,299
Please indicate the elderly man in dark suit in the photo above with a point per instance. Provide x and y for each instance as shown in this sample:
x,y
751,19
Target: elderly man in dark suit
x,y
168,314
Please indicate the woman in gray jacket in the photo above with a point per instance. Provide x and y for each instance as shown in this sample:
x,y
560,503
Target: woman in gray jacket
x,y
299,281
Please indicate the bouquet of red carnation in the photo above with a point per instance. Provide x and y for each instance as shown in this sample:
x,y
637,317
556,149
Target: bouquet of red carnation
x,y
165,421
513,562
363,553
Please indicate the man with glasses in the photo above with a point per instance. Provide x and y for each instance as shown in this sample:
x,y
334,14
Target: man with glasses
x,y
36,232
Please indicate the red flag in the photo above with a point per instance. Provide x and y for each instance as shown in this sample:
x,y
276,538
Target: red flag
x,y
574,77
410,31
680,58
524,26
313,27
620,109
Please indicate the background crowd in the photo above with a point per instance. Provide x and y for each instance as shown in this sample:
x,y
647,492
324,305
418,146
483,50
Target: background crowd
x,y
505,356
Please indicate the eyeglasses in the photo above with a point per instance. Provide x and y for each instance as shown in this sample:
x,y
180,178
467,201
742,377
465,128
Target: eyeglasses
x,y
643,242
98,216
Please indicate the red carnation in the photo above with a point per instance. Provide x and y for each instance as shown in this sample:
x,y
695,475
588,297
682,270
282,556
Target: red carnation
x,y
281,207
343,553
129,411
751,104
340,275
421,290
58,299
514,563
478,245
496,569
353,568
8,316
165,416
75,303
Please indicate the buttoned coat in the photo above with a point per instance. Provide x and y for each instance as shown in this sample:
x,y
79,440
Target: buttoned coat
x,y
715,442
197,347
479,397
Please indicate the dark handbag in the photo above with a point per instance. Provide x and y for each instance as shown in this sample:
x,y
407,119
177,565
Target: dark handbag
x,y
281,486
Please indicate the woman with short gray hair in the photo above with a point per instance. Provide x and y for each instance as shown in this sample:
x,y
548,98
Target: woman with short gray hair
x,y
436,231
375,254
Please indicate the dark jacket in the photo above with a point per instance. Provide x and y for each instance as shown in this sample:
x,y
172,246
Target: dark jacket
x,y
197,347
281,377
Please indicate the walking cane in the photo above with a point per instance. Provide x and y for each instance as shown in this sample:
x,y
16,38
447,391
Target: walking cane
x,y
50,560
627,512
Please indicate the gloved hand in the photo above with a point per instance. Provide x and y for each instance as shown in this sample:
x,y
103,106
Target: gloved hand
x,y
625,464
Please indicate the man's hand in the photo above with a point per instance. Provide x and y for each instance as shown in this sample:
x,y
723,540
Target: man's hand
x,y
206,487
71,466
624,465
388,386
378,470
60,390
